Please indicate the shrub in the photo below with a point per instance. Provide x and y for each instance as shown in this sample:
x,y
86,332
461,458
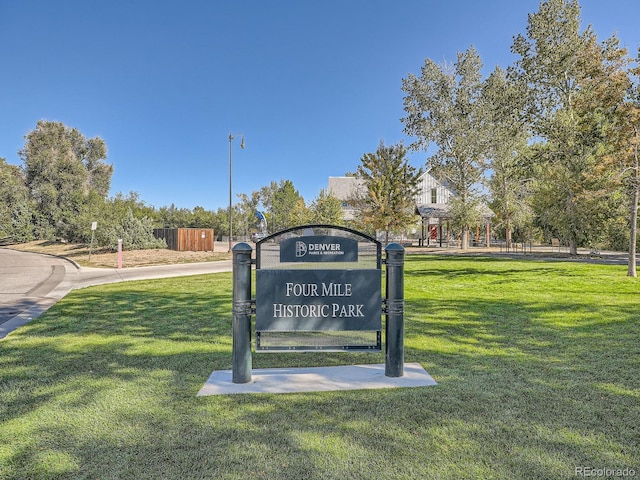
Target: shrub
x,y
136,234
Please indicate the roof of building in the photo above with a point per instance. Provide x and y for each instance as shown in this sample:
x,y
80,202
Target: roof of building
x,y
343,187
434,210
443,210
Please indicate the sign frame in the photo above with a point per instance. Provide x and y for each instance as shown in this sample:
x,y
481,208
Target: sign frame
x,y
320,295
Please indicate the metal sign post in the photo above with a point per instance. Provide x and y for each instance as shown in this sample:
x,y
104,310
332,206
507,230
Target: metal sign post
x,y
394,326
94,225
241,349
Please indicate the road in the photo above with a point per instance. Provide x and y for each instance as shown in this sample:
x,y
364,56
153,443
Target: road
x,y
30,283
26,279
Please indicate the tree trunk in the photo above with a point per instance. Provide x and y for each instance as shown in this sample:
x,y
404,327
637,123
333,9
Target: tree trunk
x,y
464,243
631,272
571,231
508,234
573,246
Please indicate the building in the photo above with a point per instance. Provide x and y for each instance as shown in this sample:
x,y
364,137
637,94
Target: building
x,y
344,188
432,205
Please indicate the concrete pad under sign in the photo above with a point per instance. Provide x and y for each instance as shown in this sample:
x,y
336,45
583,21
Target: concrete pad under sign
x,y
316,379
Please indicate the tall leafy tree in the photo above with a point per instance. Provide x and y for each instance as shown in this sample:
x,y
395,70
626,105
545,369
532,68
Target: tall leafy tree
x,y
62,169
221,224
15,206
200,218
326,209
626,140
386,202
510,179
633,160
248,208
573,85
173,217
444,109
284,205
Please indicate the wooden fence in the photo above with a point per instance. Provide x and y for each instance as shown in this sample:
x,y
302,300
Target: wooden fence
x,y
187,239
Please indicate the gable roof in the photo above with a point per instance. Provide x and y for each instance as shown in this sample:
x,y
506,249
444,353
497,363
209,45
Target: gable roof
x,y
343,188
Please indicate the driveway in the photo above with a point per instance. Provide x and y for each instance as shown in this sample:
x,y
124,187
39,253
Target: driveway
x,y
30,283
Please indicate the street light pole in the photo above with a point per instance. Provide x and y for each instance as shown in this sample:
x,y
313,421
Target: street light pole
x,y
231,137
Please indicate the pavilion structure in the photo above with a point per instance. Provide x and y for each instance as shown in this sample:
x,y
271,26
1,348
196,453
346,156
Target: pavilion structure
x,y
436,227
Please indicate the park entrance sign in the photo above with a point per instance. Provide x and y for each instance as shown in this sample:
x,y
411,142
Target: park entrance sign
x,y
318,288
318,291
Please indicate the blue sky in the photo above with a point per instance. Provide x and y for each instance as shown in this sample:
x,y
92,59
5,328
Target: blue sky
x,y
313,85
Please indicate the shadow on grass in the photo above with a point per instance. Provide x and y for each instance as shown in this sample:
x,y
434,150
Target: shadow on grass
x,y
104,385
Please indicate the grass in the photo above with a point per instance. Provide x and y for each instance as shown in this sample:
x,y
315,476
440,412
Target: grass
x,y
537,365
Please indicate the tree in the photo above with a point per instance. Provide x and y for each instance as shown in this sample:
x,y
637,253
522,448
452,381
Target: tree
x,y
113,213
247,210
62,169
508,162
443,108
627,153
326,209
284,205
634,187
387,200
173,217
15,206
634,163
573,85
201,218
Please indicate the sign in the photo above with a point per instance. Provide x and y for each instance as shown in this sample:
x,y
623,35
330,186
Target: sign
x,y
316,300
319,248
94,225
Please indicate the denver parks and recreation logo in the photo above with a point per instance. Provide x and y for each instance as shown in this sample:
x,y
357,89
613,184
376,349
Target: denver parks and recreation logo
x,y
301,249
319,248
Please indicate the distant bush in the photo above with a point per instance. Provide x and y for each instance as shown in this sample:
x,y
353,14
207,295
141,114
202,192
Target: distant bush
x,y
136,234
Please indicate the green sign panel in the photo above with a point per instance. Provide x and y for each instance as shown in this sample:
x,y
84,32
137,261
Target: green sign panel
x,y
316,300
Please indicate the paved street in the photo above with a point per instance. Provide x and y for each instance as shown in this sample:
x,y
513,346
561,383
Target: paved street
x,y
30,283
26,279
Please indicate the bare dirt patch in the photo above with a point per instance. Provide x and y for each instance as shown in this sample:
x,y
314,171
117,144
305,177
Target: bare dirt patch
x,y
79,253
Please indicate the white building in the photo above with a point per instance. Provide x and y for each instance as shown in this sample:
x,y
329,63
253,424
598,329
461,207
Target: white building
x,y
344,188
432,204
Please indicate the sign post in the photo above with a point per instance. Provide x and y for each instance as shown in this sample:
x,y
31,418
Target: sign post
x,y
394,326
241,348
119,253
94,225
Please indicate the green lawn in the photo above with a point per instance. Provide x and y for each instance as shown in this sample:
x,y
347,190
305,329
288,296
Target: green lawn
x,y
538,366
